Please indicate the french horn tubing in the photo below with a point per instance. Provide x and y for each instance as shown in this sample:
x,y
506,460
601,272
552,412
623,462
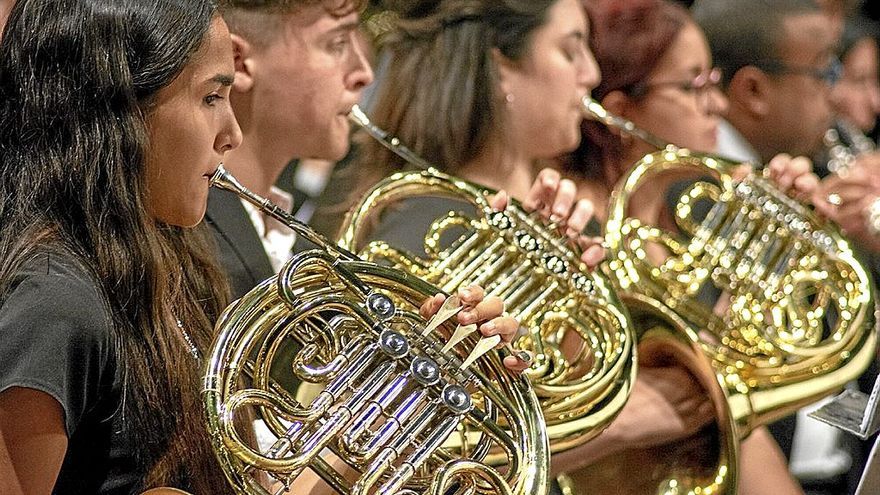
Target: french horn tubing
x,y
577,329
389,390
799,319
844,143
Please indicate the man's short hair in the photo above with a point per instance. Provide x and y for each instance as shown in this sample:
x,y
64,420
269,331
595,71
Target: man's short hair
x,y
746,32
338,7
259,22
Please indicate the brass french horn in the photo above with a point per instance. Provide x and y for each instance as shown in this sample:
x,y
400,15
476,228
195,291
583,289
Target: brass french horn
x,y
799,318
844,143
389,391
576,327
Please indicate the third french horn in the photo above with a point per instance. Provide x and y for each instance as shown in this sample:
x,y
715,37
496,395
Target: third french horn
x,y
796,314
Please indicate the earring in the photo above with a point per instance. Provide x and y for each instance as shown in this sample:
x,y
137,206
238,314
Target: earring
x,y
625,139
509,98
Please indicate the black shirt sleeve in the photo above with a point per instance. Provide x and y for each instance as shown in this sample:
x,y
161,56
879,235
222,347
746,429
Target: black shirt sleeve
x,y
55,336
406,224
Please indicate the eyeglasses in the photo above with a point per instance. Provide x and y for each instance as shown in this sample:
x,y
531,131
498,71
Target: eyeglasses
x,y
830,74
701,83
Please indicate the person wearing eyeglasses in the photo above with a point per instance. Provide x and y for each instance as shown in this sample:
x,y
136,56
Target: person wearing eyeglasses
x,y
779,67
778,64
657,72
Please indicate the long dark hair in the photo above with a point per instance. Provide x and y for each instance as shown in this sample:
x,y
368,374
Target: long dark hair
x,y
77,80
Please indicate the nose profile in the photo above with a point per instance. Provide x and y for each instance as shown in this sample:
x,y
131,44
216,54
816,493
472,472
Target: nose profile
x,y
361,74
230,136
718,102
590,74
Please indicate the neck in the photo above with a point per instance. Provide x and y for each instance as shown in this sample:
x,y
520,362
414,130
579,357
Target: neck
x,y
751,132
500,168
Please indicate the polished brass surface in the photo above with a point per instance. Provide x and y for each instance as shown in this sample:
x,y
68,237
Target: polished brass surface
x,y
797,307
386,397
771,300
844,143
575,325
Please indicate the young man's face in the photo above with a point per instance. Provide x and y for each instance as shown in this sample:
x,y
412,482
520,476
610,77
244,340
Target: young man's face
x,y
307,80
801,111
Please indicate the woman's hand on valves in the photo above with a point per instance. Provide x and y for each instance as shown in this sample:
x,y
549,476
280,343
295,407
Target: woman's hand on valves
x,y
487,312
555,199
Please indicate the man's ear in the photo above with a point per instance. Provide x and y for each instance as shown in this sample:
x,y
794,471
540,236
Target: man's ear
x,y
242,51
750,89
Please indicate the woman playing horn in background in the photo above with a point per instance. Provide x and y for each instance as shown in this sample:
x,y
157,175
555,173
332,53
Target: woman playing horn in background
x,y
487,91
657,72
505,85
855,98
114,117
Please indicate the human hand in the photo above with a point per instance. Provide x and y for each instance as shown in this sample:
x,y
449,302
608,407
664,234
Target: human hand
x,y
476,308
794,176
555,199
853,191
666,404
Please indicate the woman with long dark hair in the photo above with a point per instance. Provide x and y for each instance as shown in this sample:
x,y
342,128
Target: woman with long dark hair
x,y
113,115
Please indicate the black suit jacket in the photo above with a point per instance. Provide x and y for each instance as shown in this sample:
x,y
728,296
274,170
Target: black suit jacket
x,y
239,247
246,263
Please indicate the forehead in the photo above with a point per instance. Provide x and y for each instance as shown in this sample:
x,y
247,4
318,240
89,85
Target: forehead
x,y
314,20
216,48
689,51
564,17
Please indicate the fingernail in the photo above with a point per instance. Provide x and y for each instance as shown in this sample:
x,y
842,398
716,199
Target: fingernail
x,y
524,356
467,317
488,329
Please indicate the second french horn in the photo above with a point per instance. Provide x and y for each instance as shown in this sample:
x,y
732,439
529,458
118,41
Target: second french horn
x,y
578,330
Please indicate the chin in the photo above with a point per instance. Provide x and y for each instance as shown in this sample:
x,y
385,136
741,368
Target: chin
x,y
569,144
338,150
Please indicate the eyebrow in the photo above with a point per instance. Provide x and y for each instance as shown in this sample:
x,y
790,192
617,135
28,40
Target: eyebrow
x,y
344,27
577,34
223,79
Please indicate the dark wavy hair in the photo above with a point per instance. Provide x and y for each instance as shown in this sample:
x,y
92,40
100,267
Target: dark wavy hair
x,y
77,81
